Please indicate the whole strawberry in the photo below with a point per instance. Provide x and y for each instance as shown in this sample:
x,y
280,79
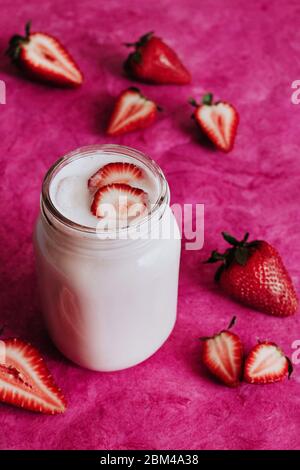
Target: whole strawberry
x,y
254,274
155,62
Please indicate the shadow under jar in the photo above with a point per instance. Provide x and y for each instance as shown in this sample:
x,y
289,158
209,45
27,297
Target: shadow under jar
x,y
109,299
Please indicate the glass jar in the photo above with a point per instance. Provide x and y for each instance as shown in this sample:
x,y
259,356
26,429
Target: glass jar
x,y
109,302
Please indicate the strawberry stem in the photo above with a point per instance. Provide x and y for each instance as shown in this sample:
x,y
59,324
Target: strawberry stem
x,y
232,322
193,102
207,99
141,42
15,43
27,29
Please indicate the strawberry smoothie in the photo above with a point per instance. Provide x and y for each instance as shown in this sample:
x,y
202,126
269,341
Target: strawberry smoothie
x,y
109,292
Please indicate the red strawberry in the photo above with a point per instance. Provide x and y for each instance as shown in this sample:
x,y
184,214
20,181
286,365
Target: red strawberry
x,y
155,62
266,364
254,274
25,380
218,121
44,58
115,172
223,355
119,201
132,112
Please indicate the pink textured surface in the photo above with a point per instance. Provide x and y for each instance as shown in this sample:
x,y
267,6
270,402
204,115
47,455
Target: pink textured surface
x,y
246,53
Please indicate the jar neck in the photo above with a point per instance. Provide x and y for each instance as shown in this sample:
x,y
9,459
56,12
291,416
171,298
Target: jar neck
x,y
70,232
68,239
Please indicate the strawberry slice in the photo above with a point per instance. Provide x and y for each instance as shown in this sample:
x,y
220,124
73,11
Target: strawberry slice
x,y
115,172
223,356
43,57
119,201
218,121
132,111
25,380
266,363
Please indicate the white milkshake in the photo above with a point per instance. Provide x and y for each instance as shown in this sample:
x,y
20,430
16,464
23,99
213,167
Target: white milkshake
x,y
109,296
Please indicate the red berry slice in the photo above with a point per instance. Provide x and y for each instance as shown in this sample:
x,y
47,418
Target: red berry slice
x,y
223,356
25,380
116,172
119,201
44,58
132,112
266,363
218,121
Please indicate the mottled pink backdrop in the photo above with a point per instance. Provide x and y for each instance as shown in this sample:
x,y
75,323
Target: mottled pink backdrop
x,y
245,52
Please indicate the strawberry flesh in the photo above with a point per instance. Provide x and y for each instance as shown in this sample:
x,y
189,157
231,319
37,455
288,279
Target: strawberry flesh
x,y
155,62
115,172
266,363
132,112
217,121
44,58
223,356
119,201
25,380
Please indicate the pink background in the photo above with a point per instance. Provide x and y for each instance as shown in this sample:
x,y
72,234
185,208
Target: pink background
x,y
246,53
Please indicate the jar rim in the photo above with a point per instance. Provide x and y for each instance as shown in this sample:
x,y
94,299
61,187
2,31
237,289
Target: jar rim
x,y
51,212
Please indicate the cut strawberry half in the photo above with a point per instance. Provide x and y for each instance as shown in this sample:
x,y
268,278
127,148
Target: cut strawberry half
x,y
43,57
116,172
266,363
119,202
132,111
153,61
25,380
218,121
223,356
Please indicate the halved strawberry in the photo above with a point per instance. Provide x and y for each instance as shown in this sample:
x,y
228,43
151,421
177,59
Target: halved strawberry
x,y
223,356
154,61
43,57
119,202
218,121
25,380
266,363
115,172
132,111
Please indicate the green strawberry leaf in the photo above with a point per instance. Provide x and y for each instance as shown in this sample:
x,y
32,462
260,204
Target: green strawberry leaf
x,y
215,257
230,239
207,99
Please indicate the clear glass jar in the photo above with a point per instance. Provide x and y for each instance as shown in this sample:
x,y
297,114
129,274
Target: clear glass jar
x,y
109,302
